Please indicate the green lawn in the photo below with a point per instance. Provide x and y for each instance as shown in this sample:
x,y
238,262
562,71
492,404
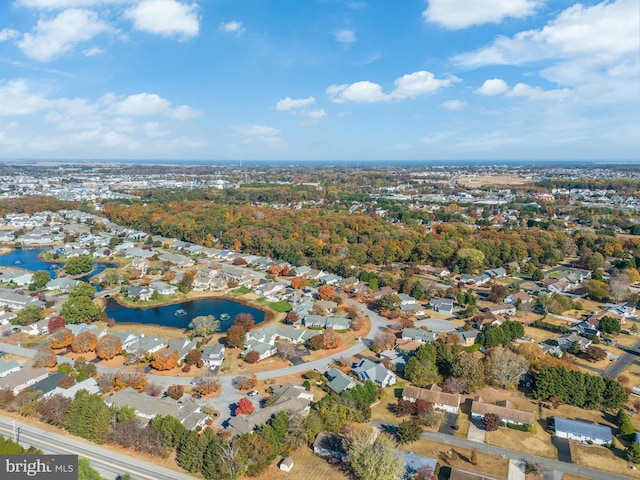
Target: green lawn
x,y
282,306
237,292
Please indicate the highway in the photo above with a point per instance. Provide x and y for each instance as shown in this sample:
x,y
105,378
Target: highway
x,y
110,464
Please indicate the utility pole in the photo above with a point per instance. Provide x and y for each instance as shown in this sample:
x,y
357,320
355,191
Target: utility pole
x,y
13,422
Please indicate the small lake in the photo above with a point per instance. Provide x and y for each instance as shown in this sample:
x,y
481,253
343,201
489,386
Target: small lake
x,y
165,315
28,258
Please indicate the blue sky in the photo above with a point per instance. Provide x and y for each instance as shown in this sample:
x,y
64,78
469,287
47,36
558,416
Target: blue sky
x,y
336,80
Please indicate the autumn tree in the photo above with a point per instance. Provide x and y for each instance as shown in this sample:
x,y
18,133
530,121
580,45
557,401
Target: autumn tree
x,y
55,323
53,409
245,382
251,356
84,342
383,340
372,456
292,317
208,386
275,270
298,283
108,347
491,421
326,292
503,367
245,321
285,349
244,406
595,353
193,357
469,368
235,336
61,338
135,379
164,359
44,357
175,391
204,325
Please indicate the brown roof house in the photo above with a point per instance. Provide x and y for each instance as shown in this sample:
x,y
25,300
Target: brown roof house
x,y
506,410
449,402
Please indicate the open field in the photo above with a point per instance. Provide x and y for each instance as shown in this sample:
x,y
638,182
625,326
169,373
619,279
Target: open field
x,y
540,335
485,463
601,458
537,442
306,466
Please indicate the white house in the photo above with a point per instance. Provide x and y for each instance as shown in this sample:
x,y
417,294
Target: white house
x,y
449,402
376,372
585,432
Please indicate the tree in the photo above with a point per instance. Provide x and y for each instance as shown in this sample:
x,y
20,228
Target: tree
x,y
372,456
256,453
185,284
298,283
86,471
244,406
55,323
191,451
28,315
84,342
193,357
53,409
421,368
108,347
473,459
391,302
384,340
251,356
609,324
454,385
625,426
596,289
164,359
285,348
469,368
82,289
208,386
469,260
409,431
235,336
80,310
537,275
40,279
619,286
491,421
175,391
632,452
326,292
244,383
89,417
79,265
503,367
292,317
60,338
135,379
595,354
245,321
204,325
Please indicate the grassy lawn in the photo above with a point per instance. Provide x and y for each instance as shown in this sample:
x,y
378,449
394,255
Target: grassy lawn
x,y
537,442
539,334
162,300
281,307
485,463
237,292
605,459
306,466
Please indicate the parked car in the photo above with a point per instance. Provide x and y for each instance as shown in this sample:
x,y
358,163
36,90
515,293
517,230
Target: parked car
x,y
252,393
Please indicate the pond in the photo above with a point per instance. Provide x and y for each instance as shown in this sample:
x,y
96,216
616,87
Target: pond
x,y
223,309
28,258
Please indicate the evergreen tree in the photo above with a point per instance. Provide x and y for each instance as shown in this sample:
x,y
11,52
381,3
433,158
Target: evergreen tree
x,y
633,452
191,452
211,461
88,417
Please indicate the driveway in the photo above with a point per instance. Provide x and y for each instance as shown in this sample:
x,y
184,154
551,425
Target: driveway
x,y
476,434
564,450
448,424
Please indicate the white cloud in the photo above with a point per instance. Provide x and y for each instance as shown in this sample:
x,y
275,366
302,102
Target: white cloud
x,y
453,105
344,35
407,86
360,92
155,130
92,52
294,103
537,93
61,34
149,104
16,99
8,34
456,14
418,83
165,17
317,114
233,27
262,134
493,86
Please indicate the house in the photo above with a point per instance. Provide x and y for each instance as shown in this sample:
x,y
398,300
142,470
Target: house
x,y
585,432
329,323
146,345
187,411
502,309
141,264
412,309
163,288
566,341
15,301
376,372
90,385
624,310
449,402
7,368
62,284
520,298
263,340
48,384
467,338
182,346
25,377
381,292
213,355
417,335
133,291
504,409
269,288
329,444
180,261
290,398
286,464
413,462
339,381
474,279
395,359
436,271
496,272
486,320
407,299
442,305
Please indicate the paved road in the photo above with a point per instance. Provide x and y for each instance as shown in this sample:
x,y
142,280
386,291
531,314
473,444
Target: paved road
x,y
109,463
630,354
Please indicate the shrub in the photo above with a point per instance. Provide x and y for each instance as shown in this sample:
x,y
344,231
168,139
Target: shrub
x,y
491,422
252,357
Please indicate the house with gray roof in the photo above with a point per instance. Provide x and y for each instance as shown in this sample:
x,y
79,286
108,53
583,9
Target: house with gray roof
x,y
163,288
182,346
585,432
62,284
442,305
134,291
90,385
330,323
15,301
186,410
180,261
417,335
25,377
339,381
376,372
7,368
213,355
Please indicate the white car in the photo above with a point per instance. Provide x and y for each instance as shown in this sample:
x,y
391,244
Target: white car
x,y
252,393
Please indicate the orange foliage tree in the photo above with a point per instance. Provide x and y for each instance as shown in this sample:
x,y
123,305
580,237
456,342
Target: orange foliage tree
x,y
108,347
84,342
45,358
244,407
208,386
130,378
298,283
61,338
326,292
164,359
